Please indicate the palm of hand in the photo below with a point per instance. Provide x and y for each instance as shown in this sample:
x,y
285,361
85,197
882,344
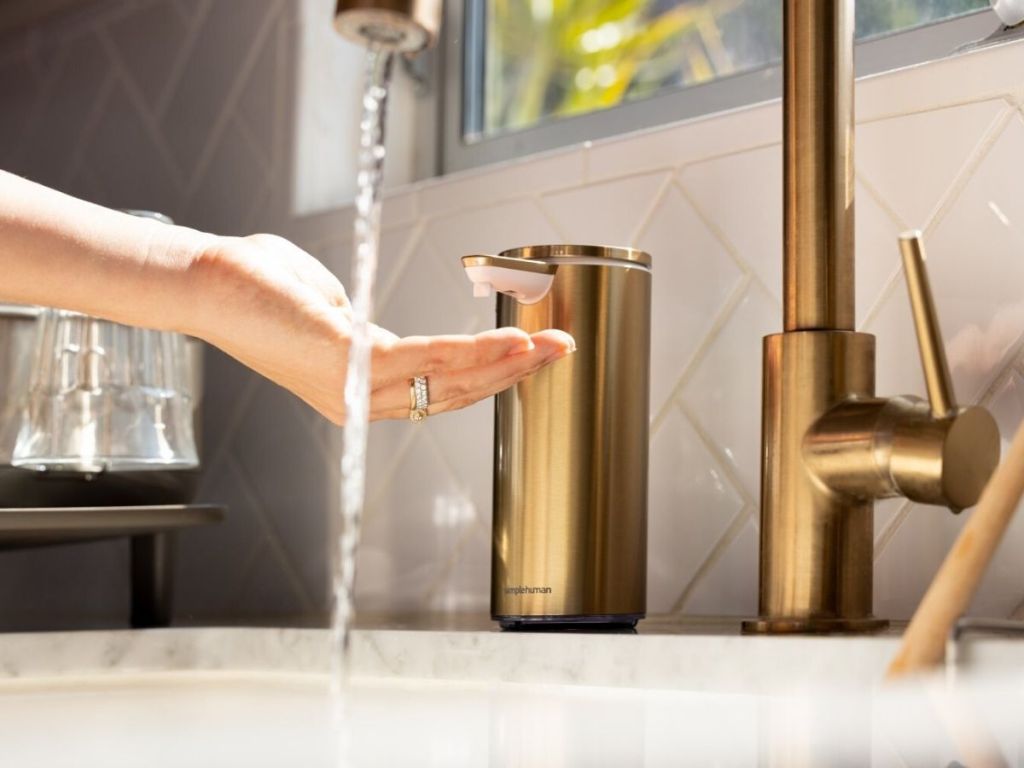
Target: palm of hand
x,y
288,317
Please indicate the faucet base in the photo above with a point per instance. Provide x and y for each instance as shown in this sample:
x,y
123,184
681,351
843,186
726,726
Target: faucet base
x,y
808,626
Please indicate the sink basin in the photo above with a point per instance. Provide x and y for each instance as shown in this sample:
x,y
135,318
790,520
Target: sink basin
x,y
262,698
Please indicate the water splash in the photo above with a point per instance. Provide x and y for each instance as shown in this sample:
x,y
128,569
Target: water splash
x,y
357,380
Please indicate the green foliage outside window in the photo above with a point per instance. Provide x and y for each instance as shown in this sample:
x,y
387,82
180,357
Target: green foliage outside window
x,y
555,58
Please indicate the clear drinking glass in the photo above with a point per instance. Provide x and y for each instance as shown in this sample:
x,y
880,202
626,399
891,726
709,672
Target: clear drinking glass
x,y
106,397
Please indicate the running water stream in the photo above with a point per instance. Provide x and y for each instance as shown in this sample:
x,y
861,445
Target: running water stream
x,y
357,380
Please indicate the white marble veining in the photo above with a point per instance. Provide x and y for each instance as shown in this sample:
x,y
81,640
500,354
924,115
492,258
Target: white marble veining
x,y
691,657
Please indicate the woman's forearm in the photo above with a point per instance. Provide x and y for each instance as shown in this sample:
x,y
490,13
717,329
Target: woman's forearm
x,y
64,252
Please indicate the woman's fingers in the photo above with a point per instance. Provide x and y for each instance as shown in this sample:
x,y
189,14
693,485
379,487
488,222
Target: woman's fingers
x,y
425,355
456,388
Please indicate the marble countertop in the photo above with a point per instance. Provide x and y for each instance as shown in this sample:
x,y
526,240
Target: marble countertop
x,y
696,655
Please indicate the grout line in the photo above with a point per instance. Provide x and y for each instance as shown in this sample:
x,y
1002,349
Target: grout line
x,y
371,501
149,121
881,202
938,107
896,276
727,538
250,140
1018,612
729,470
244,570
88,130
414,238
1009,360
279,160
967,170
180,10
185,50
258,201
448,566
889,531
719,235
746,149
414,203
648,217
41,94
439,454
272,538
231,425
230,101
538,201
722,316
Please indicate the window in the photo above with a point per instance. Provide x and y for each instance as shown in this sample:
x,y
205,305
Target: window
x,y
536,73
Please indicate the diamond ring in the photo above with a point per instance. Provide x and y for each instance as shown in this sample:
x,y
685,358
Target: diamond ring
x,y
419,399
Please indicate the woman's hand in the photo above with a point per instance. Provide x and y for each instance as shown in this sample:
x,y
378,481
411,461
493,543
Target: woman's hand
x,y
279,311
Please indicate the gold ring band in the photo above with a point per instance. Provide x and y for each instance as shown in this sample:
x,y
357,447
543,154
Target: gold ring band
x,y
419,399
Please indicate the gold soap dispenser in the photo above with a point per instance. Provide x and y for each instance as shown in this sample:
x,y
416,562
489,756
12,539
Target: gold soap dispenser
x,y
570,442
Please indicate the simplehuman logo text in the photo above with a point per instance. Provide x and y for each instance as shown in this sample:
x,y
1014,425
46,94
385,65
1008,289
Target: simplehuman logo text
x,y
527,590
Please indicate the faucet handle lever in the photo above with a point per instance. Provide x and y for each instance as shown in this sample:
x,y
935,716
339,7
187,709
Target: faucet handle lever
x,y
926,323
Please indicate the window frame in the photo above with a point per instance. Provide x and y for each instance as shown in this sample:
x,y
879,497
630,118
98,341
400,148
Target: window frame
x,y
935,40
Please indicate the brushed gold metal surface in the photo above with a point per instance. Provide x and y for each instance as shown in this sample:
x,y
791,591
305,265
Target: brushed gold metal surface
x,y
829,446
402,25
818,216
570,493
926,323
816,546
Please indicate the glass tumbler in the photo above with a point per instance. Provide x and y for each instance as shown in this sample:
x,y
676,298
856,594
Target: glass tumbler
x,y
106,397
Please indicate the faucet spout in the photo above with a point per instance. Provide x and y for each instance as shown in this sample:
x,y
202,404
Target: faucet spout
x,y
403,26
818,172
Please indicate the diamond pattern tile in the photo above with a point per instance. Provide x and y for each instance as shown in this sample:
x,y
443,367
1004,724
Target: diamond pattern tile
x,y
432,295
877,252
692,502
490,230
258,101
976,266
210,558
466,441
465,585
148,43
412,533
729,588
724,392
126,164
19,92
624,205
226,41
294,487
693,278
905,568
913,160
228,189
747,215
53,139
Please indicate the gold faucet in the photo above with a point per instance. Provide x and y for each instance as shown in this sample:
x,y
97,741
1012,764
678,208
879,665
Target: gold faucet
x,y
830,448
405,26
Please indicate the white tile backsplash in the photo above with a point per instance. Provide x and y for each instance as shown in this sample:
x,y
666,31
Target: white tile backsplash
x,y
624,206
913,160
190,107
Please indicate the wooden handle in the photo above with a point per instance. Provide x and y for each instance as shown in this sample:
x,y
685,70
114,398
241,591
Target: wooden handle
x,y
924,642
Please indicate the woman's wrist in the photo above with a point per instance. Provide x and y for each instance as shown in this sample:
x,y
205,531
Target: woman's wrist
x,y
189,260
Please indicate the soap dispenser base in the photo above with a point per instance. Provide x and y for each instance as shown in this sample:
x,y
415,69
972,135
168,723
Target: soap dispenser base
x,y
617,622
